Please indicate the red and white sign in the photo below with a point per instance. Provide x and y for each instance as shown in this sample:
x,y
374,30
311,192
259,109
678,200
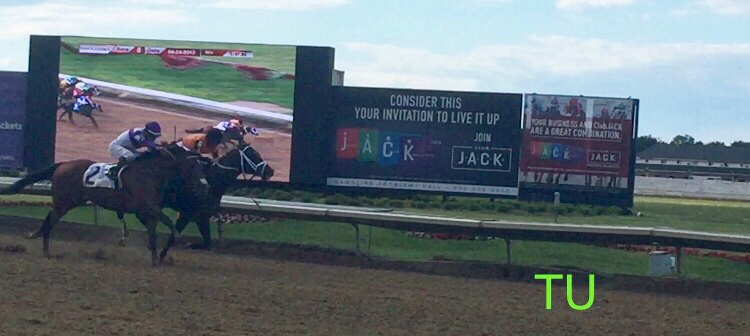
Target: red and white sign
x,y
107,49
122,50
227,53
154,51
183,52
95,49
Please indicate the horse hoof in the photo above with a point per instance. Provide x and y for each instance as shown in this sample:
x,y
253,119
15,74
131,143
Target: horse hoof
x,y
122,242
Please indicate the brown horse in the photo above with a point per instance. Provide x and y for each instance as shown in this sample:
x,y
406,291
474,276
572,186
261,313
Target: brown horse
x,y
143,183
221,175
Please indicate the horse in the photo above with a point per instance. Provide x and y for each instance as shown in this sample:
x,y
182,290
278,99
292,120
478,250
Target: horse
x,y
66,94
140,193
85,110
220,174
237,134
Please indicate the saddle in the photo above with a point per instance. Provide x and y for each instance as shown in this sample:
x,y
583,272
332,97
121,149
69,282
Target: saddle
x,y
97,175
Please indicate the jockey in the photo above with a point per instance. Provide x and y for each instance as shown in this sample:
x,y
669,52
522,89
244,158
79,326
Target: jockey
x,y
68,82
235,130
79,89
202,143
124,147
83,101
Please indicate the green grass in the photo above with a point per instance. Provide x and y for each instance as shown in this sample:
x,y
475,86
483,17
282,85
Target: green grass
x,y
210,81
396,245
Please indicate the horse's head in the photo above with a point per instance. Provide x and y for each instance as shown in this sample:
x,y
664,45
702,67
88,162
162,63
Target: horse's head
x,y
246,160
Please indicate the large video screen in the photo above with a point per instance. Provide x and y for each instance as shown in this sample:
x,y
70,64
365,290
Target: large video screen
x,y
577,142
182,85
433,141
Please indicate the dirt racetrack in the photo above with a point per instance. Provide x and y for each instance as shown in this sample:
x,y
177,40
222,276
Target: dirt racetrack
x,y
95,288
84,141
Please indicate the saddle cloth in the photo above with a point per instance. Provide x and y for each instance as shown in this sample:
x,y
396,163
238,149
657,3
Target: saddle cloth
x,y
96,176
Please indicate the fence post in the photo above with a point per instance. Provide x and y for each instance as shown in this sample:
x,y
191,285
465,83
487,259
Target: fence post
x,y
508,252
369,239
356,233
557,205
678,260
96,215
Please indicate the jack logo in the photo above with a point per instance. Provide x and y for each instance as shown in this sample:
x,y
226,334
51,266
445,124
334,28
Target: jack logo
x,y
385,148
481,158
557,152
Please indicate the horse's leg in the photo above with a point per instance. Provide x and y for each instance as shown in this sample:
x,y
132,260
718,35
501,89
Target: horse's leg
x,y
93,121
125,231
182,223
53,217
148,220
70,116
172,237
204,226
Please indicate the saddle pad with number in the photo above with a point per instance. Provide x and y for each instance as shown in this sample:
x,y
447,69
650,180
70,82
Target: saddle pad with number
x,y
96,176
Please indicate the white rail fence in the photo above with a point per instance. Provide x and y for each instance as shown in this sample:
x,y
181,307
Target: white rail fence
x,y
385,218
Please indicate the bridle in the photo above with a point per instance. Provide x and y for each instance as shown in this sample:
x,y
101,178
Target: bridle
x,y
258,169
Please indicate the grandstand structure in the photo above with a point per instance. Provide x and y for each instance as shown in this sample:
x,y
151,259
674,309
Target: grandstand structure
x,y
711,162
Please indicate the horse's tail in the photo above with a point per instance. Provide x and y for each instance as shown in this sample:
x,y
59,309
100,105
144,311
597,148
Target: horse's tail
x,y
30,179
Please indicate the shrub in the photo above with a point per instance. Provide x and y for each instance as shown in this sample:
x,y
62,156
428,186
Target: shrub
x,y
396,203
535,208
489,206
585,210
420,204
308,198
504,207
450,206
381,202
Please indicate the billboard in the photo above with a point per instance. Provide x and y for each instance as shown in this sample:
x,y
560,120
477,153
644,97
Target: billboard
x,y
182,85
437,141
12,119
577,143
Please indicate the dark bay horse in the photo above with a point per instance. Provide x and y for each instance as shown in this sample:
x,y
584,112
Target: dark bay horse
x,y
141,192
221,175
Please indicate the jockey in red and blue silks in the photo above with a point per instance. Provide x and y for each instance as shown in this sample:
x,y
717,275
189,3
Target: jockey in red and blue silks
x,y
83,103
125,147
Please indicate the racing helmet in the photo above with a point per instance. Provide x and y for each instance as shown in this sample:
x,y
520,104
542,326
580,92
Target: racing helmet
x,y
71,80
153,128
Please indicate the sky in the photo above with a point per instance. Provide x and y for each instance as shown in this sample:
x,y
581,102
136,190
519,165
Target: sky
x,y
687,61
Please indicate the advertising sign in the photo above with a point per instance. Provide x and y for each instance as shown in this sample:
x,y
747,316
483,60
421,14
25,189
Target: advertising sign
x,y
577,141
450,142
12,118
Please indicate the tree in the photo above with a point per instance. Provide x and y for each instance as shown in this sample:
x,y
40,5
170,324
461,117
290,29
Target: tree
x,y
740,144
683,140
645,141
716,143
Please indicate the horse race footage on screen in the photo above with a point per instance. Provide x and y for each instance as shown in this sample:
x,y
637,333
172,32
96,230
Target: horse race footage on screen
x,y
182,85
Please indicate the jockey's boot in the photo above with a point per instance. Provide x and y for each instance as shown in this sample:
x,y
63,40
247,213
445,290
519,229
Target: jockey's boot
x,y
112,174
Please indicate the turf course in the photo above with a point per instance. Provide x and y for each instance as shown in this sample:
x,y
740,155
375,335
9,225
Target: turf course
x,y
212,81
397,245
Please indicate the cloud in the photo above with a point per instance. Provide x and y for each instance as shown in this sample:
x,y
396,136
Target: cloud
x,y
580,4
54,18
278,4
510,65
727,7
